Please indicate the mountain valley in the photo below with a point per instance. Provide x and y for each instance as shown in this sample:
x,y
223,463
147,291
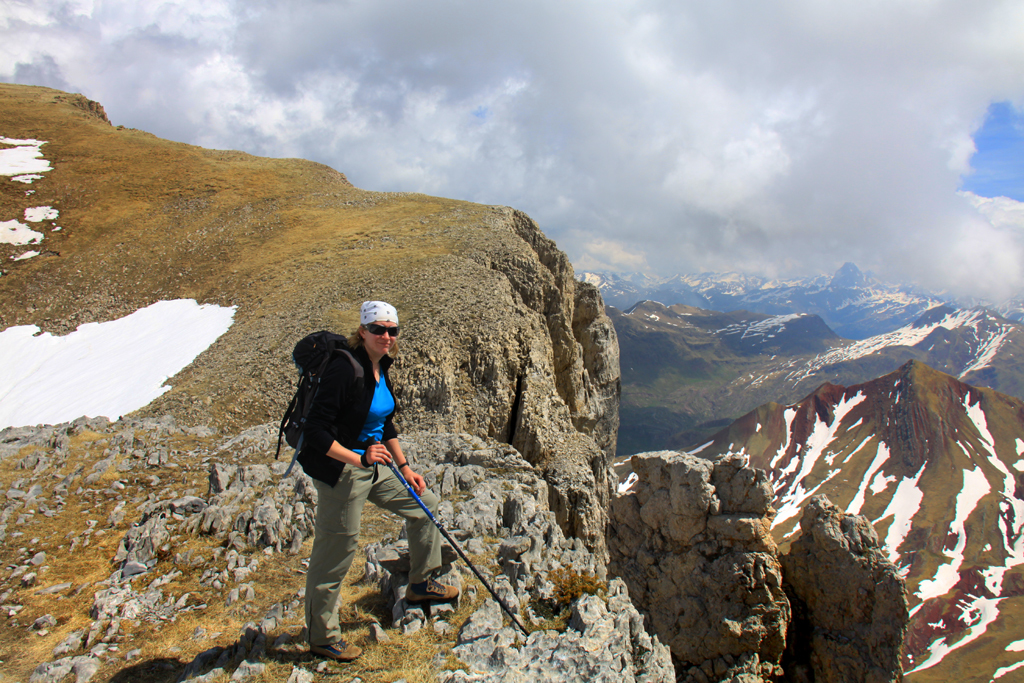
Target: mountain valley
x,y
687,372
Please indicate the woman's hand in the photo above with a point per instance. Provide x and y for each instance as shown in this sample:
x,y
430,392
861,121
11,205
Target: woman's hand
x,y
418,483
378,453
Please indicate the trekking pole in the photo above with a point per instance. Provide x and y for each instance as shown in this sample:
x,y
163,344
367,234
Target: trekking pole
x,y
455,545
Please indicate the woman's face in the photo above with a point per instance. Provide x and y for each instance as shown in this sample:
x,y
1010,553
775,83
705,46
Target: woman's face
x,y
378,345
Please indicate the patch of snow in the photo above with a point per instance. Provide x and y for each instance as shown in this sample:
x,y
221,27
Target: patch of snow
x,y
698,449
23,159
766,328
881,482
975,487
25,256
818,441
27,179
102,369
37,214
13,232
1015,646
1006,669
788,416
903,505
980,613
628,484
881,455
1011,508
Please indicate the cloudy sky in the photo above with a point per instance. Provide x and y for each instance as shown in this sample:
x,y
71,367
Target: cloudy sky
x,y
780,138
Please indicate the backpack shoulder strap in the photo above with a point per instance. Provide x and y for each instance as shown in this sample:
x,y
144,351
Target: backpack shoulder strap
x,y
357,367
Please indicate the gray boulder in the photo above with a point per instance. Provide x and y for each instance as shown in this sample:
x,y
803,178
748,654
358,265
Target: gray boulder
x,y
850,603
692,542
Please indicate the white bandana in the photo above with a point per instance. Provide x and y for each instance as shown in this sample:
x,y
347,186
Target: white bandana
x,y
372,311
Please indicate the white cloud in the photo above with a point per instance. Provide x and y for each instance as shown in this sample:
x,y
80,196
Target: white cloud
x,y
782,137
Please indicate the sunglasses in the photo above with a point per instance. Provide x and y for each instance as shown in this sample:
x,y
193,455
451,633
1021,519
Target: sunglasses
x,y
378,330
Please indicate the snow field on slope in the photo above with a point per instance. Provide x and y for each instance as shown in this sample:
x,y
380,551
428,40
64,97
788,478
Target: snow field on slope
x,y
767,328
982,612
881,456
975,487
102,369
977,612
911,336
24,162
1011,508
903,505
13,232
24,158
819,440
1016,646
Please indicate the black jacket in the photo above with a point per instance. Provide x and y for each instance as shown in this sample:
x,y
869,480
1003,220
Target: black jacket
x,y
338,414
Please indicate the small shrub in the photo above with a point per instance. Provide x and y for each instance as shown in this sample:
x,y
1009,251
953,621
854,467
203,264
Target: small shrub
x,y
571,585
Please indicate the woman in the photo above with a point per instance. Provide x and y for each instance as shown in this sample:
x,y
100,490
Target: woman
x,y
349,433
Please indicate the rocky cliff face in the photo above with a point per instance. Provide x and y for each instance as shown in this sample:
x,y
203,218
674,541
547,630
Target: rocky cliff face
x,y
692,542
849,601
523,353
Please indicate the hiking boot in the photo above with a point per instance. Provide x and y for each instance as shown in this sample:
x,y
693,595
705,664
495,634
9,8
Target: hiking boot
x,y
339,651
430,590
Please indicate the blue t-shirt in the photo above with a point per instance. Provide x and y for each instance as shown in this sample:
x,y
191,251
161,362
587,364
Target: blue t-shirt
x,y
383,405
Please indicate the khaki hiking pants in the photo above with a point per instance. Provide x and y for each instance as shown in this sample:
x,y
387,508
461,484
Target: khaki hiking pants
x,y
338,511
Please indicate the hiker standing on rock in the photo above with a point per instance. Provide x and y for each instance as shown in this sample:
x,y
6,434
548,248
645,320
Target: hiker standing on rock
x,y
349,432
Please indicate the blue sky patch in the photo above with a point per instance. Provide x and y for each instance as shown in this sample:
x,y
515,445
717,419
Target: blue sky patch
x,y
998,165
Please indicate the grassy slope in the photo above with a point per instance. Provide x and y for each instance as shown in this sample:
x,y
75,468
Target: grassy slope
x,y
290,242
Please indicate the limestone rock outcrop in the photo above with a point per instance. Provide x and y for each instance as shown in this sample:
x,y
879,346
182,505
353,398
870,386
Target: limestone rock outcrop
x,y
692,542
537,367
849,601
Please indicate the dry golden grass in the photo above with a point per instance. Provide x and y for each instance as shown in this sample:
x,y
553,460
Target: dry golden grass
x,y
289,242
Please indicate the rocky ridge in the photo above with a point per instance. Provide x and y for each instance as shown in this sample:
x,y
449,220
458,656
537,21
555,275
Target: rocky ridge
x,y
180,526
692,540
934,464
849,605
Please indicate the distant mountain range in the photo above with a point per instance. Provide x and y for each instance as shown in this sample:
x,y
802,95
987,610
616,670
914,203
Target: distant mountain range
x,y
687,372
936,465
854,304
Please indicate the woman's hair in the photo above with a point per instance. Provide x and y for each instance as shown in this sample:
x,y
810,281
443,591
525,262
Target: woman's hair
x,y
355,341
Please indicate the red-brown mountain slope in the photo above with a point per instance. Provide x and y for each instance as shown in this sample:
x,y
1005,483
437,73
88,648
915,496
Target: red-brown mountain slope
x,y
936,465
